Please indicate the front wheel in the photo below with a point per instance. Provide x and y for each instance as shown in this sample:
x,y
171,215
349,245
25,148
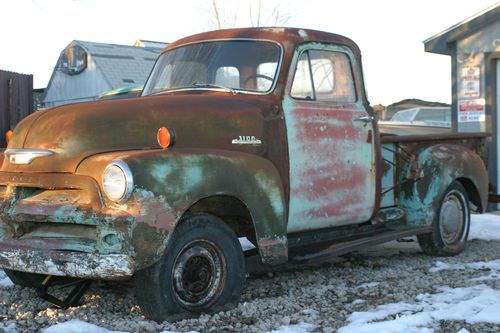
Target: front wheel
x,y
202,270
450,226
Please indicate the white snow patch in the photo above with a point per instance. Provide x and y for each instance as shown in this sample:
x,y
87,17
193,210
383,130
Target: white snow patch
x,y
299,328
485,227
368,285
490,266
474,304
310,312
77,326
464,330
4,280
246,244
11,328
357,301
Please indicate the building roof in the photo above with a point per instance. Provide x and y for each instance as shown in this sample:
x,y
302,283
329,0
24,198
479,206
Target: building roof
x,y
149,43
121,65
440,42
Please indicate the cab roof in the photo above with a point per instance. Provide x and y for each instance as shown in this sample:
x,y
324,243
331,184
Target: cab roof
x,y
284,36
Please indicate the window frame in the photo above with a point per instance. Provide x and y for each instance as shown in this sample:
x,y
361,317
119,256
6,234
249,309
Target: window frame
x,y
271,90
322,48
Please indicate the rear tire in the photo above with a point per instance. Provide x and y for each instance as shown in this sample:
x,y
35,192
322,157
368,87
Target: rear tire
x,y
450,226
202,270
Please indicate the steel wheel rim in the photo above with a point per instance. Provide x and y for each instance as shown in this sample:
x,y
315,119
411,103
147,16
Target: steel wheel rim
x,y
198,274
452,217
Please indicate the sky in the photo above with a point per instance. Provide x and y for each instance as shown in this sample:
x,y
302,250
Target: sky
x,y
390,33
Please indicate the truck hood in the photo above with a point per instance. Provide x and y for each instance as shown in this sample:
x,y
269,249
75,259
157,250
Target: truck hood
x,y
76,131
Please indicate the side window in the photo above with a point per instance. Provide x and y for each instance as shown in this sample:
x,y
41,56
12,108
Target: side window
x,y
331,76
302,83
228,77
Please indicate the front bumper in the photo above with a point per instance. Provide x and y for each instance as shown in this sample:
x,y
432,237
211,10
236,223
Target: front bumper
x,y
64,263
58,224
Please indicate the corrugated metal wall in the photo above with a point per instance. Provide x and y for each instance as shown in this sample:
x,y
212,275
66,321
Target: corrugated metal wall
x,y
16,100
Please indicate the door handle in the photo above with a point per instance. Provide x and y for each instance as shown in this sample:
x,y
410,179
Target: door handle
x,y
365,119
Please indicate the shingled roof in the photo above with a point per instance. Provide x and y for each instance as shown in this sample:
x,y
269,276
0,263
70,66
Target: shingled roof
x,y
121,65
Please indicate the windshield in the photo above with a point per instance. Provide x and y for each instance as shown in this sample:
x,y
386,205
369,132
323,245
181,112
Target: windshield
x,y
234,65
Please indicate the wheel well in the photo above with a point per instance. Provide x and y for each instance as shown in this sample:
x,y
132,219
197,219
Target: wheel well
x,y
472,192
229,209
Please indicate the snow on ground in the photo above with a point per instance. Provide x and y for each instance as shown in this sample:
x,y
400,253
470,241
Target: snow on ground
x,y
475,304
299,328
78,326
4,280
490,266
368,285
485,227
8,328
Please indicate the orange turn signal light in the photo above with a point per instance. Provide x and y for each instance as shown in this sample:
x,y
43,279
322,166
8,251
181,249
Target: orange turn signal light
x,y
8,135
165,137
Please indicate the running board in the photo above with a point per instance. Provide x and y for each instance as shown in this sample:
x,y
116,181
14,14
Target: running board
x,y
341,248
299,257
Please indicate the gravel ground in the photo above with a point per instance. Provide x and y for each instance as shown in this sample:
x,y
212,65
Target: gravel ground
x,y
323,296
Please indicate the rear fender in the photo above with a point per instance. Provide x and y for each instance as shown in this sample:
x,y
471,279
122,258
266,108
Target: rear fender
x,y
434,169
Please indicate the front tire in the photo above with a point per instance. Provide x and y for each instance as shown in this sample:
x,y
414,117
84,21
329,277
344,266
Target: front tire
x,y
450,226
202,270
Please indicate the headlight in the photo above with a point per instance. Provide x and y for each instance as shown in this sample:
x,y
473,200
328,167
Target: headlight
x,y
117,181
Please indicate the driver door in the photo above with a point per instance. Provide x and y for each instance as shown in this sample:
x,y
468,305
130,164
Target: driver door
x,y
330,142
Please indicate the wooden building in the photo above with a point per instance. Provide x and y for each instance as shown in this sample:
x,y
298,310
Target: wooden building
x,y
16,100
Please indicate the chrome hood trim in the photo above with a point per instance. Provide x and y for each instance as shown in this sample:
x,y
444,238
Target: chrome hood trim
x,y
26,156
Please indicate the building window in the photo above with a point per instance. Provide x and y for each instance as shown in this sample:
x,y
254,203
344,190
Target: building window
x,y
73,60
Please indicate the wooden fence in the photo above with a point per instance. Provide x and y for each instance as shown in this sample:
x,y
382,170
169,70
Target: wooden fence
x,y
16,100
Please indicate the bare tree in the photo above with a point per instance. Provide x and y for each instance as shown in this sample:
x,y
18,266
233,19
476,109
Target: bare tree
x,y
230,14
271,13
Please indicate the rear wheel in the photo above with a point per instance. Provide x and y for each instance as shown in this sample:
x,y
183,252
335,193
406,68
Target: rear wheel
x,y
450,226
202,270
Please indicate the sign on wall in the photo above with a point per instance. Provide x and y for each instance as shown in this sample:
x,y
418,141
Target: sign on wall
x,y
471,110
471,77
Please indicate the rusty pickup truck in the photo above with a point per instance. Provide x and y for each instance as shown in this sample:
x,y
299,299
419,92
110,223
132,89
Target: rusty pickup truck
x,y
263,133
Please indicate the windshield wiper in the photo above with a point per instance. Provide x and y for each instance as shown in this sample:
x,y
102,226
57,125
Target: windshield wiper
x,y
212,85
195,84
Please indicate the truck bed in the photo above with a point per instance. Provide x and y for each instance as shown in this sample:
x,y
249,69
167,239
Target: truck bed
x,y
400,150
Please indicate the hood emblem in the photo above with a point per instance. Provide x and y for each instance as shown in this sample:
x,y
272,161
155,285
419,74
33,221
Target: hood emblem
x,y
26,156
246,140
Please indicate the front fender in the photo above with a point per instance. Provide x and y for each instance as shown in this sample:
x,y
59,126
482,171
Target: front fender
x,y
168,182
433,170
184,177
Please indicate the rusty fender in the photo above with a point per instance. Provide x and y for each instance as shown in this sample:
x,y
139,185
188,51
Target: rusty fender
x,y
168,182
435,168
